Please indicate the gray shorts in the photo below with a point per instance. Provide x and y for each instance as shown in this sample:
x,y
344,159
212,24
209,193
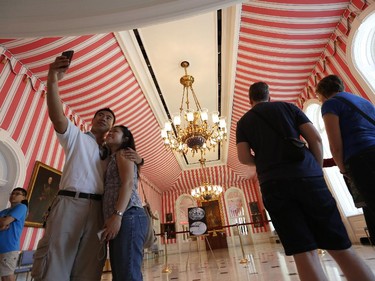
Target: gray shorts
x,y
8,263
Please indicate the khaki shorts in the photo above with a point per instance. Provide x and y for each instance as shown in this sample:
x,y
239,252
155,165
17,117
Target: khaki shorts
x,y
8,263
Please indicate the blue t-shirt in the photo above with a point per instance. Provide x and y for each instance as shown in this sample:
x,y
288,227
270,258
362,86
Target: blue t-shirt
x,y
266,143
357,133
10,238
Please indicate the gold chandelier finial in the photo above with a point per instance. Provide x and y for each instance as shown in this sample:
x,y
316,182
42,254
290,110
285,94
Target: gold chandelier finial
x,y
190,130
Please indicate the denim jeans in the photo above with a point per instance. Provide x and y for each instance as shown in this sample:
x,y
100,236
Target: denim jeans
x,y
126,250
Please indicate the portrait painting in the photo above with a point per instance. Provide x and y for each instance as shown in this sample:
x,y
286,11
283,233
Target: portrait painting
x,y
42,189
213,215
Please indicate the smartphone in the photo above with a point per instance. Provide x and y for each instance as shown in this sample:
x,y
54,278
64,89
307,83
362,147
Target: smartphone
x,y
68,54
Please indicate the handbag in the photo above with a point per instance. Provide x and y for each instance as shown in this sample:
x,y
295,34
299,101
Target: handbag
x,y
358,199
292,149
150,237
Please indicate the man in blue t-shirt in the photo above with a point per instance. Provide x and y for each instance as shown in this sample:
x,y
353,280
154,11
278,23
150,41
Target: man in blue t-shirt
x,y
294,192
12,220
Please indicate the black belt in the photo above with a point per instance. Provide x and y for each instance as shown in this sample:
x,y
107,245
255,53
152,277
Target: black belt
x,y
80,195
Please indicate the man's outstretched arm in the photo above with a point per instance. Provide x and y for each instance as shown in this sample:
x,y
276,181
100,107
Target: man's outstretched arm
x,y
55,110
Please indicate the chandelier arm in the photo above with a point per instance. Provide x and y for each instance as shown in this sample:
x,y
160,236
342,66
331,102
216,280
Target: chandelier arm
x,y
187,97
197,104
182,101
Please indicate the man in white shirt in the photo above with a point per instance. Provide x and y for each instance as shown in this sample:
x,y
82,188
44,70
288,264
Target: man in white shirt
x,y
70,248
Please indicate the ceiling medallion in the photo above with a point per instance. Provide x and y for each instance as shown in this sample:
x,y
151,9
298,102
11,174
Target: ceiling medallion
x,y
189,130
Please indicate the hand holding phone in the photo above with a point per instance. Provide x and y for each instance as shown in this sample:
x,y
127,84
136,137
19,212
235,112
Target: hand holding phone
x,y
68,55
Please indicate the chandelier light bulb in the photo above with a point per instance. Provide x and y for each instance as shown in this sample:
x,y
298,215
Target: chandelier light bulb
x,y
222,122
168,126
189,115
163,133
176,119
215,117
204,114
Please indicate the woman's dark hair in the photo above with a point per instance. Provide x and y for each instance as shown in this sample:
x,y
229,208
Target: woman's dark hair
x,y
129,142
105,151
329,86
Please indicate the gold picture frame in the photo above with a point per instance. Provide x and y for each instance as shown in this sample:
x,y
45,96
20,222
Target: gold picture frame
x,y
42,189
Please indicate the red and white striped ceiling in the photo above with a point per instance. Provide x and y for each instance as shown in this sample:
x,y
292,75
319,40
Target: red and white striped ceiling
x,y
280,42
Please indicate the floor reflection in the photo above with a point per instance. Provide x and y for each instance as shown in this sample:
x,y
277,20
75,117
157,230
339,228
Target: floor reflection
x,y
266,262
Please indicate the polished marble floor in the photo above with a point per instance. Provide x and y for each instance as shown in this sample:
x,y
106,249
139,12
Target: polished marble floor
x,y
266,262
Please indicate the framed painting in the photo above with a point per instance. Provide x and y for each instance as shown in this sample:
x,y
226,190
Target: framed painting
x,y
42,189
213,214
257,219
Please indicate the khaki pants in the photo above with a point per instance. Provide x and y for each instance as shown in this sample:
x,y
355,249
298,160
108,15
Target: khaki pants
x,y
70,248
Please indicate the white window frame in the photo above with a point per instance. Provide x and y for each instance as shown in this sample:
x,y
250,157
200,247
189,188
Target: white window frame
x,y
360,53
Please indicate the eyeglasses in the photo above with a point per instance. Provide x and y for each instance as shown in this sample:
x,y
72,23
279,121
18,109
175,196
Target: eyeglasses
x,y
16,193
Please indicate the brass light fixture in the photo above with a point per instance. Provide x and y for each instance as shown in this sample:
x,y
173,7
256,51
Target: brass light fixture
x,y
190,131
206,191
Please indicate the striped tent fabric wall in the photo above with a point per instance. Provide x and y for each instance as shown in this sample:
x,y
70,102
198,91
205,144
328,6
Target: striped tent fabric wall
x,y
100,76
268,30
24,115
334,58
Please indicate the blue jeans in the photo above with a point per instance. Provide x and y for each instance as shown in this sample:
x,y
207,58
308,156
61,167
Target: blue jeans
x,y
126,250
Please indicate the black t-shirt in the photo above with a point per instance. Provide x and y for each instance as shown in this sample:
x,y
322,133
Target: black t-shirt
x,y
265,141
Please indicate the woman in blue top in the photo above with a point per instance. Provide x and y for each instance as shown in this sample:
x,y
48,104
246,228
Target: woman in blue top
x,y
125,219
351,136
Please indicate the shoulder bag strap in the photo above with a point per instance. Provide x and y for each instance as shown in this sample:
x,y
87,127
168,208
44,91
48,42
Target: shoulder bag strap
x,y
143,190
147,206
368,118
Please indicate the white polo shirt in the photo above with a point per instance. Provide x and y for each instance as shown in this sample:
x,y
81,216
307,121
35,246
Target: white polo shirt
x,y
83,170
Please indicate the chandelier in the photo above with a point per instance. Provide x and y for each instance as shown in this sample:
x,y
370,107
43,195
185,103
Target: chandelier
x,y
189,130
206,191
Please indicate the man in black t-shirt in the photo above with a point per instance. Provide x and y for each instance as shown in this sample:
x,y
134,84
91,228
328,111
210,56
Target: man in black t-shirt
x,y
294,192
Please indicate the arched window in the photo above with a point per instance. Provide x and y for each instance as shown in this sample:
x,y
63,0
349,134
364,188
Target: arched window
x,y
183,203
332,174
235,202
361,50
12,166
